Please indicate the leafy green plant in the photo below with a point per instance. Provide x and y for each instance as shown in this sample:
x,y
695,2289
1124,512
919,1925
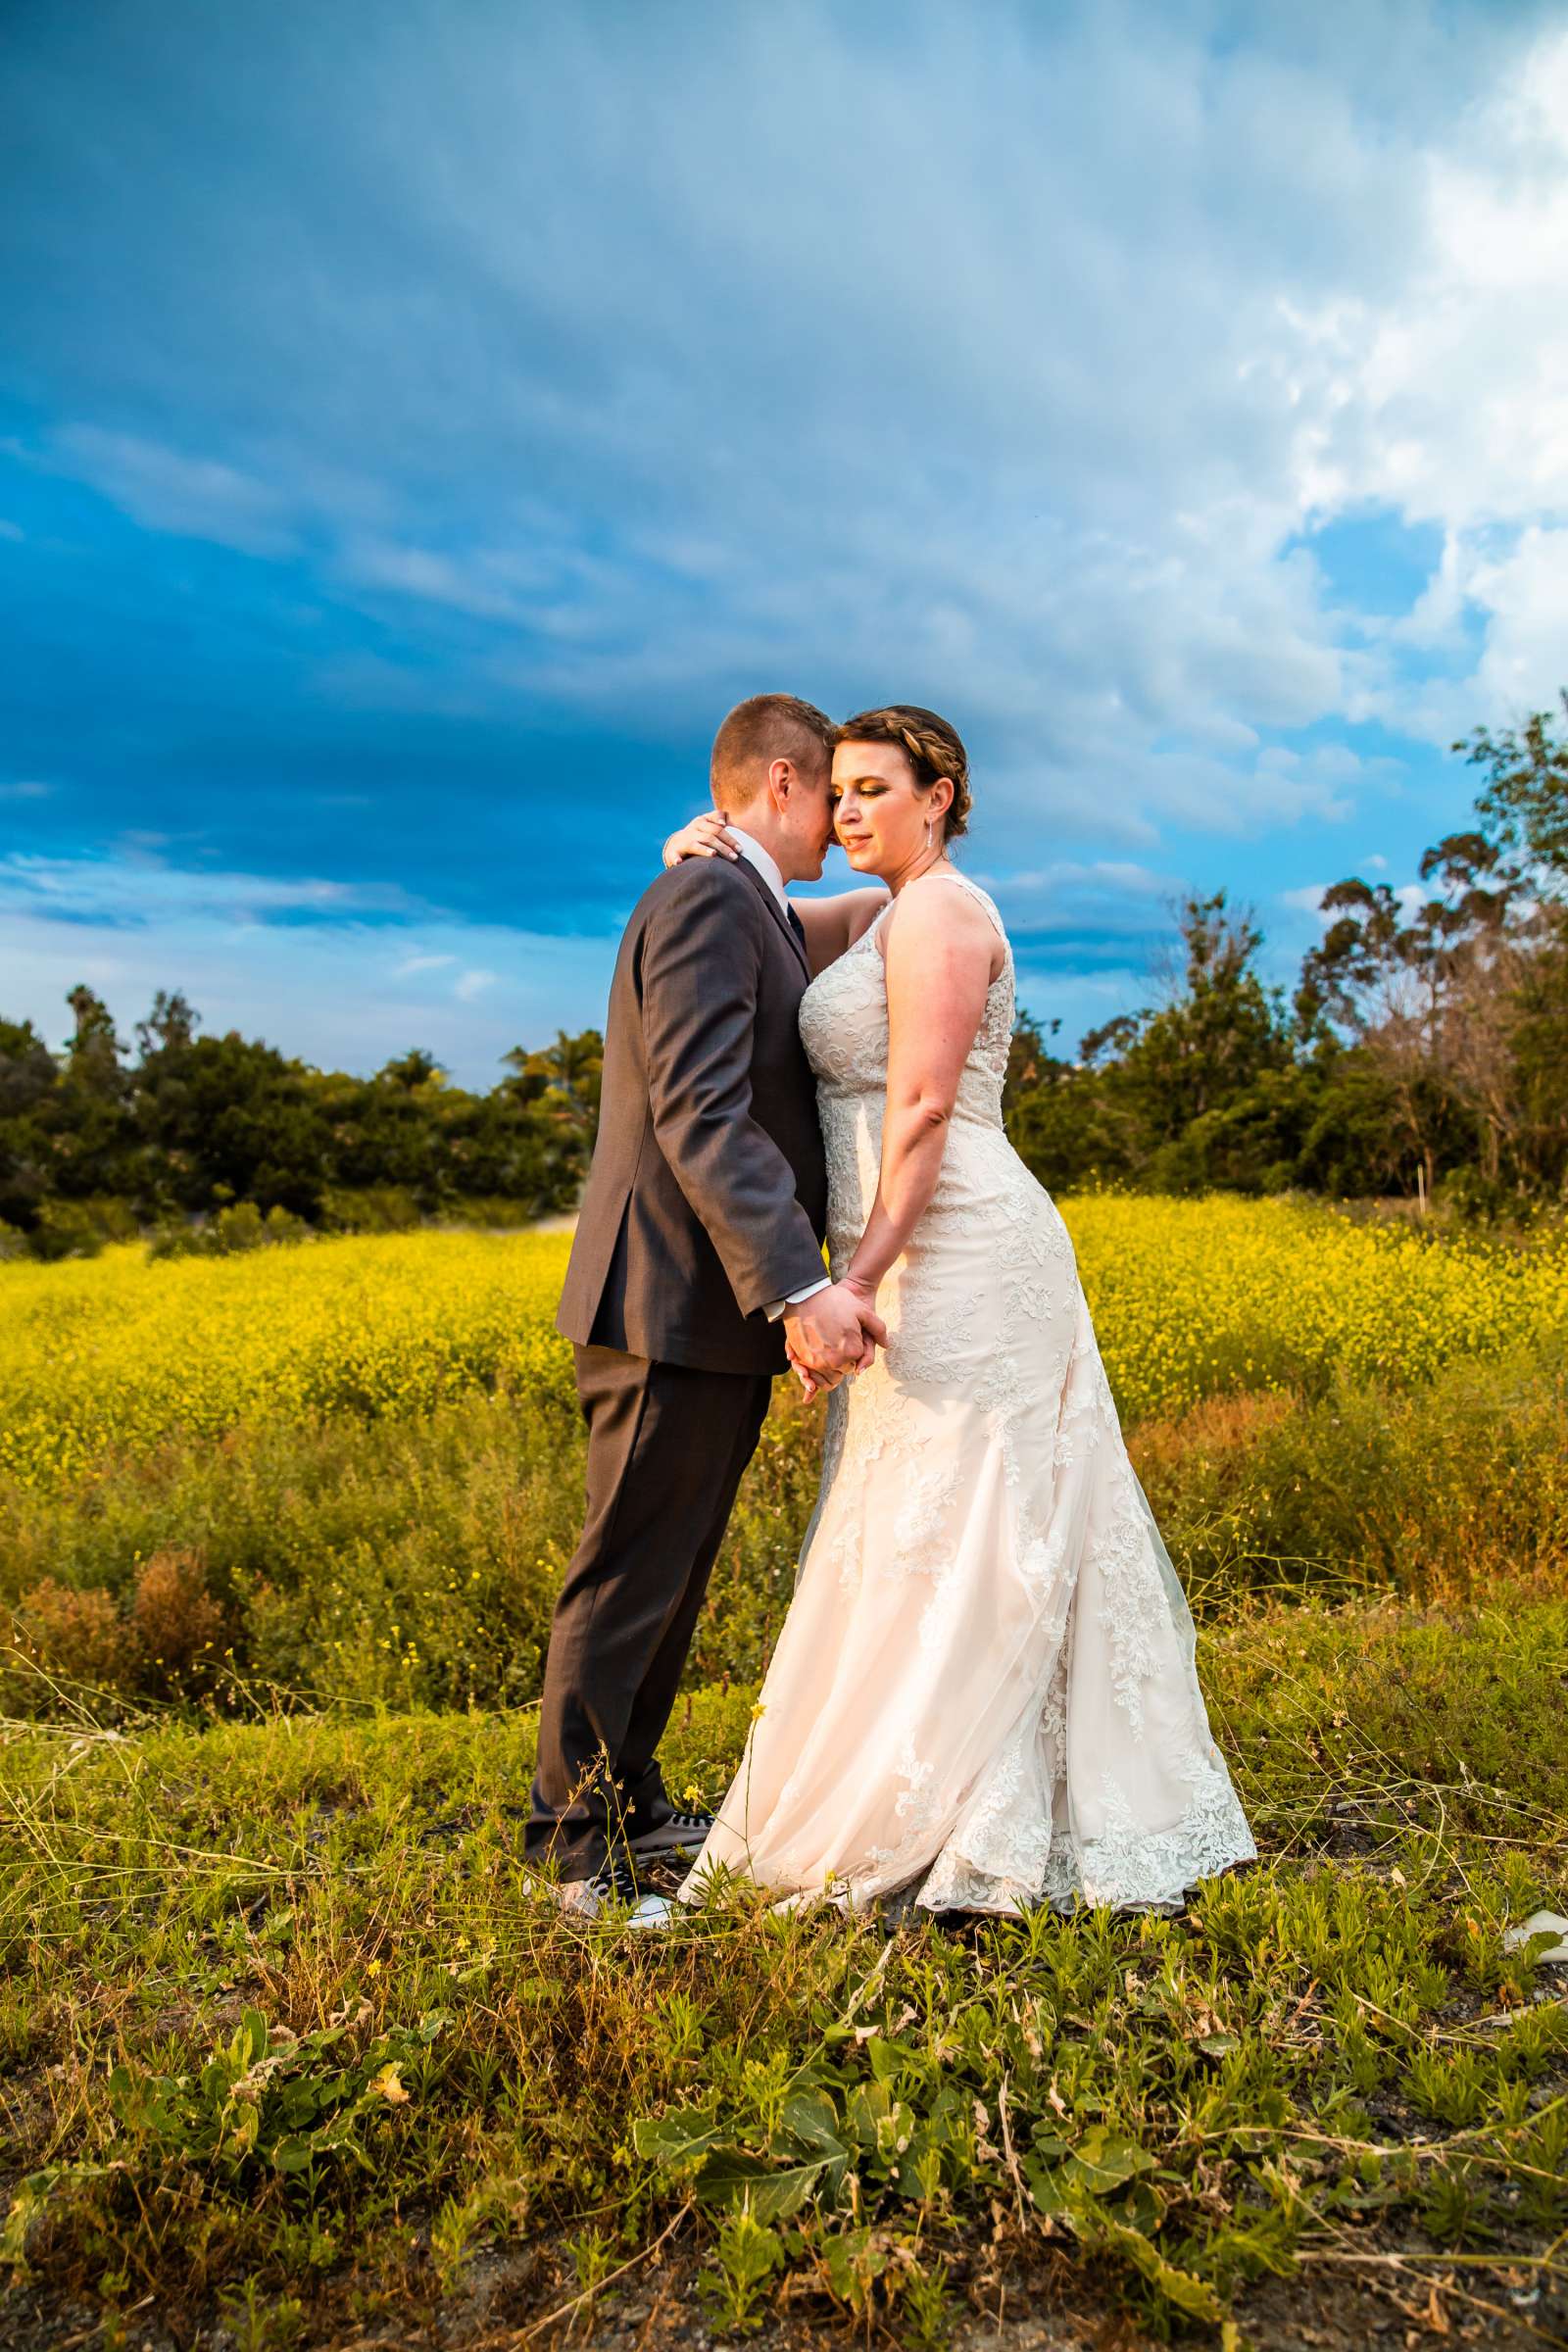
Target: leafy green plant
x,y
1447,2084
257,2325
925,2306
746,2254
268,2098
592,2258
267,2101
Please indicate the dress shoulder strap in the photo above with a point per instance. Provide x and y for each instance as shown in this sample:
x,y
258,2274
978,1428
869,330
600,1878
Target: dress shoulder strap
x,y
951,873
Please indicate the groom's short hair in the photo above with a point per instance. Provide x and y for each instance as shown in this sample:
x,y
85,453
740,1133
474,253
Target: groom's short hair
x,y
764,728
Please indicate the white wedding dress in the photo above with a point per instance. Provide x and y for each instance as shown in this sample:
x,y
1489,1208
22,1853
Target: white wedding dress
x,y
982,1695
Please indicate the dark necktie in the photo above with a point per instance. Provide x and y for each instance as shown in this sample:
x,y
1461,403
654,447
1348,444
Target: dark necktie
x,y
797,926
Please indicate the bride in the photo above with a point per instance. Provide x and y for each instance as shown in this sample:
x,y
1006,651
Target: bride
x,y
982,1695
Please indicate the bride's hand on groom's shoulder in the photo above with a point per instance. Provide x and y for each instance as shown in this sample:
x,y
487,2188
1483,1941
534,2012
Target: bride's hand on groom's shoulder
x,y
706,836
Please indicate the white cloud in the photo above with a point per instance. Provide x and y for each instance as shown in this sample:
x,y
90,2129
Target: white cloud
x,y
341,989
1108,873
167,490
1308,900
136,889
1524,594
1447,400
381,563
421,964
1510,586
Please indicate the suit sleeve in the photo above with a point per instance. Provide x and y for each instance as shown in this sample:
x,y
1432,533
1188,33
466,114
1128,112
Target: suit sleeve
x,y
702,965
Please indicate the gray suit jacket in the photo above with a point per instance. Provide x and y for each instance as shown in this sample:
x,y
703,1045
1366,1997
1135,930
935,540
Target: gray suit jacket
x,y
707,1194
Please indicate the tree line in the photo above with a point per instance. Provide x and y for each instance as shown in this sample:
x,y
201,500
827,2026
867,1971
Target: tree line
x,y
102,1140
1423,1053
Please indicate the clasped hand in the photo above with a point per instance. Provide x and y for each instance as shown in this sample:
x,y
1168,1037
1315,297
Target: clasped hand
x,y
834,1331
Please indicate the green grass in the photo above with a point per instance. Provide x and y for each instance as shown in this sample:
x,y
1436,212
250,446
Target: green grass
x,y
1331,2070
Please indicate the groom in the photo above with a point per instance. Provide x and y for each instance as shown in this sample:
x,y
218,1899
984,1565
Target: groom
x,y
698,1251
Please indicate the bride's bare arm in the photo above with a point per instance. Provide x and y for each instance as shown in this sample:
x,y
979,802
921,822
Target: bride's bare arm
x,y
941,951
831,925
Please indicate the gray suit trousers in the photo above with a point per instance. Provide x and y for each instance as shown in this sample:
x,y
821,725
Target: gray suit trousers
x,y
667,1446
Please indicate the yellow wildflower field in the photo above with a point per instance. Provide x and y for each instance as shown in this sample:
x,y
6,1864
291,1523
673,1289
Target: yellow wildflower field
x,y
1195,1297
107,1355
104,1358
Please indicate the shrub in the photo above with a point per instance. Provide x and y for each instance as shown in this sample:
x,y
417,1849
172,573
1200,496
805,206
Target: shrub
x,y
179,1625
67,1635
489,1213
370,1208
1439,1494
232,1230
65,1229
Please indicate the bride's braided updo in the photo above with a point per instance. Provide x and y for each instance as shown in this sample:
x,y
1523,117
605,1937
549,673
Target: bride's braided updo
x,y
931,746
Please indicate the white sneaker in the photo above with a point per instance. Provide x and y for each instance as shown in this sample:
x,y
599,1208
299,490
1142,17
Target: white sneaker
x,y
654,1911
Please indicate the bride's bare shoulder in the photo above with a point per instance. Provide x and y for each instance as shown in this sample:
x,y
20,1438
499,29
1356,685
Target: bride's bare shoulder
x,y
939,906
943,902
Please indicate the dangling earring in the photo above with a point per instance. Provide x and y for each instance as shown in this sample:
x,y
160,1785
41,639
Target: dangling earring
x,y
928,832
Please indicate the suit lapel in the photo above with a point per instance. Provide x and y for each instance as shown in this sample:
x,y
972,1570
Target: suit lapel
x,y
778,915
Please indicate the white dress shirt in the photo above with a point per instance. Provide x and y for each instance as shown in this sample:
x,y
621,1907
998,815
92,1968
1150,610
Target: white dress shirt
x,y
765,861
766,865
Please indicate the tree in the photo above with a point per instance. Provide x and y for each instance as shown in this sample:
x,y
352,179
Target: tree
x,y
161,1091
96,1131
1380,976
1524,804
1458,998
236,1120
1057,1116
169,1028
412,1070
561,1086
1205,1052
29,1081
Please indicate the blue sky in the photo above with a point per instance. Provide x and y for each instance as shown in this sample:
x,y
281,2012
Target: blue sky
x,y
417,426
